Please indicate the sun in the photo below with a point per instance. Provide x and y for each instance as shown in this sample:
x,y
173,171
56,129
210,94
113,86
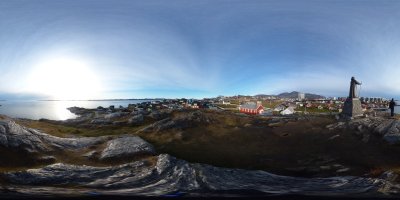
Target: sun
x,y
64,79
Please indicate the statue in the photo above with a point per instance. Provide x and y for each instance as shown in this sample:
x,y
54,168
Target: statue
x,y
352,106
353,84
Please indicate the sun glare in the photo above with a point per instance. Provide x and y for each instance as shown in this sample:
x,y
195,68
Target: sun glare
x,y
64,79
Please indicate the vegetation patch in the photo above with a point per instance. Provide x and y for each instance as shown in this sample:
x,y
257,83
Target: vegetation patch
x,y
296,145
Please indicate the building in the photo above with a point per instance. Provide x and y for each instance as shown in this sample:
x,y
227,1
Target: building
x,y
301,96
288,111
252,108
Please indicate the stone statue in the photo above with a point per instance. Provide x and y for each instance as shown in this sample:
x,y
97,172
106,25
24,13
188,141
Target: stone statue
x,y
352,106
353,84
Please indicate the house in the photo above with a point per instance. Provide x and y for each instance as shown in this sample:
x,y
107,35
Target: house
x,y
279,108
251,108
226,102
288,111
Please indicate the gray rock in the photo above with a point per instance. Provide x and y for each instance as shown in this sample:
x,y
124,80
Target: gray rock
x,y
337,166
118,123
384,126
14,136
155,115
137,112
100,121
125,147
393,133
360,128
115,115
158,126
170,175
183,121
325,167
365,138
137,119
90,154
333,137
390,187
47,159
389,129
343,170
338,125
158,115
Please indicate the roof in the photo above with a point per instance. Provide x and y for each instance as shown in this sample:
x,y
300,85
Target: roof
x,y
288,110
249,105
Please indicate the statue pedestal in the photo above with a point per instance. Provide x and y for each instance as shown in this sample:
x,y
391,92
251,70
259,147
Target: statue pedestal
x,y
352,108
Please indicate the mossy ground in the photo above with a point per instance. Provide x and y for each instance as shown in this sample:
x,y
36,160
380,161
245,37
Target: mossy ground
x,y
251,142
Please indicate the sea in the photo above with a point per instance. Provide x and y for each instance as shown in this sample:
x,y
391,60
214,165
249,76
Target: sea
x,y
55,110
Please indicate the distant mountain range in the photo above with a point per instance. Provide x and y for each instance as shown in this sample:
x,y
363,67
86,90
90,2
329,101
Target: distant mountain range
x,y
292,95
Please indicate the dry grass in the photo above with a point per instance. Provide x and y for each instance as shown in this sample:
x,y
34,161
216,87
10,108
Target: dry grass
x,y
69,130
249,142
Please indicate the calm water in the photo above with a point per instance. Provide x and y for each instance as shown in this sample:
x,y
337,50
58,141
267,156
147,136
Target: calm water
x,y
56,110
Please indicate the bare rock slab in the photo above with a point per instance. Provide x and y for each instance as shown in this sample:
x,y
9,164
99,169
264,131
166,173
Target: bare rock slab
x,y
126,147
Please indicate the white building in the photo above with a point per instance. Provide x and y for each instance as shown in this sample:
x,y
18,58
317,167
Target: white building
x,y
301,96
287,111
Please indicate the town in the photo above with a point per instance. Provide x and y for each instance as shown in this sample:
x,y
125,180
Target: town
x,y
267,105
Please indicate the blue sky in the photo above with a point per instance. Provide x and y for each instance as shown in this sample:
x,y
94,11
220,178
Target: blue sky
x,y
190,48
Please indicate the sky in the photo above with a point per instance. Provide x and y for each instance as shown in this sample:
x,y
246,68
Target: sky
x,y
95,49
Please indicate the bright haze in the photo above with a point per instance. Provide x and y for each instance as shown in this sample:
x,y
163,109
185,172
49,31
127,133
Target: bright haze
x,y
66,49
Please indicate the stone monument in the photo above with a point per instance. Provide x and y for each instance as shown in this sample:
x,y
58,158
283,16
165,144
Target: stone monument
x,y
352,105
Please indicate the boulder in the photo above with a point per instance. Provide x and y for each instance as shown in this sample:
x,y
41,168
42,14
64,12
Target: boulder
x,y
392,134
100,121
137,112
157,115
137,119
365,138
384,126
333,137
112,115
16,137
78,110
126,147
181,121
47,159
118,123
343,170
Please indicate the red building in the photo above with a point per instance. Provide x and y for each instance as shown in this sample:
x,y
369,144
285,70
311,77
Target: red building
x,y
252,108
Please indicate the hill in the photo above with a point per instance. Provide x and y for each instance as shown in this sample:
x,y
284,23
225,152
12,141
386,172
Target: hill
x,y
295,94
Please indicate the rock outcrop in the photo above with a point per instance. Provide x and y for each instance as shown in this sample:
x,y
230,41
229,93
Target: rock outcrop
x,y
14,136
170,175
164,174
389,129
136,119
183,121
126,147
115,115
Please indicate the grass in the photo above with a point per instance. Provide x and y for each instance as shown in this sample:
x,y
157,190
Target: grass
x,y
231,106
68,130
249,142
314,110
271,103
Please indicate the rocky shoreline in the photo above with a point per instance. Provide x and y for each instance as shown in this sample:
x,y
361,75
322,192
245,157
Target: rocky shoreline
x,y
129,165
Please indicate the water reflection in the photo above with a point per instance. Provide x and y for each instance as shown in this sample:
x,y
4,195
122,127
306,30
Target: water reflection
x,y
60,110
